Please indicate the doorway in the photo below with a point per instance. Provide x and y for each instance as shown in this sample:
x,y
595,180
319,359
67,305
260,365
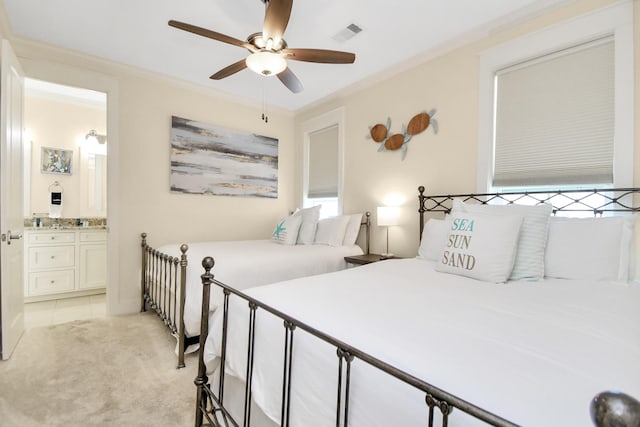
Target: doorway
x,y
65,203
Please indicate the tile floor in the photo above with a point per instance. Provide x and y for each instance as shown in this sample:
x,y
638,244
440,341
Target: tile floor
x,y
53,312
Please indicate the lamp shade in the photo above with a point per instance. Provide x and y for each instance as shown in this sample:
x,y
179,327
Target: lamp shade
x,y
388,215
266,63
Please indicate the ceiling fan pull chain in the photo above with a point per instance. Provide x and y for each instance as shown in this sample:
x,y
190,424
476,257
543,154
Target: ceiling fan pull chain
x,y
265,117
266,105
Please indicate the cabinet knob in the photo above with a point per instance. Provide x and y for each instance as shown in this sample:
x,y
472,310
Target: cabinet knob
x,y
52,257
53,281
53,237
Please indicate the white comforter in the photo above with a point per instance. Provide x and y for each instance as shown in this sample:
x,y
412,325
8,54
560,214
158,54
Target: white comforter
x,y
534,353
247,263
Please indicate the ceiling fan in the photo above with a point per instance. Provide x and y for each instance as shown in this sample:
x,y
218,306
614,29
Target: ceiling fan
x,y
269,51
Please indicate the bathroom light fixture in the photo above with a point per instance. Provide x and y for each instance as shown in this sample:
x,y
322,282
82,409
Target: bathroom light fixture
x,y
388,216
266,63
94,137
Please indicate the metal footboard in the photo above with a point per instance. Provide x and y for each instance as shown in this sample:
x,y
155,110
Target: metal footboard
x,y
210,409
162,289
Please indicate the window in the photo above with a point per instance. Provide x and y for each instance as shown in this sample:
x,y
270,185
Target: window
x,y
556,106
323,142
554,119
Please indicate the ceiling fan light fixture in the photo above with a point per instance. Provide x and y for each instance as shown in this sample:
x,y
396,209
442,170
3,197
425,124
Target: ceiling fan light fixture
x,y
266,63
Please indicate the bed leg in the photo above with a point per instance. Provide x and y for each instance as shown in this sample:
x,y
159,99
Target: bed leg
x,y
202,379
143,281
183,286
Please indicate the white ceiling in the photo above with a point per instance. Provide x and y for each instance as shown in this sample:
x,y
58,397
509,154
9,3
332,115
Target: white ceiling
x,y
136,33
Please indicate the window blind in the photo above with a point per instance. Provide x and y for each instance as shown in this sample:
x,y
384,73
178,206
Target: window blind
x,y
554,118
323,163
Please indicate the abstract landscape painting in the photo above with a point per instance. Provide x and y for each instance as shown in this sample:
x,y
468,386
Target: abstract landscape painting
x,y
208,159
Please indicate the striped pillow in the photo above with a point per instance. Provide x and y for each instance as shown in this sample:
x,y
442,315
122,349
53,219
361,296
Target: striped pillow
x,y
533,234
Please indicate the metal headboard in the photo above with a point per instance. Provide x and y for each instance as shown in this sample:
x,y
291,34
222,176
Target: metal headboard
x,y
596,201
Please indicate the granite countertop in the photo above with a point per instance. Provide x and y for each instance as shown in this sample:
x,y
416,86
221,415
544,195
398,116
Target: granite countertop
x,y
67,227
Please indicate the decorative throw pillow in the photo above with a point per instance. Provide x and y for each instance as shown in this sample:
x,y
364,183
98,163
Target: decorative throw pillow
x,y
590,248
533,236
353,229
310,217
331,231
434,236
286,231
479,246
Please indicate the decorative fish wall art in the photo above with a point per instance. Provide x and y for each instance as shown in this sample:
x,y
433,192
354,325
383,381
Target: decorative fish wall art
x,y
390,142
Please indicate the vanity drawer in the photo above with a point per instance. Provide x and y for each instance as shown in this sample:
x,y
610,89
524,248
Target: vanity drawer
x,y
48,282
43,257
93,236
52,238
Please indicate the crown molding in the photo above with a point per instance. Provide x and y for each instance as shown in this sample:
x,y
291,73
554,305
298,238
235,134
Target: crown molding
x,y
39,51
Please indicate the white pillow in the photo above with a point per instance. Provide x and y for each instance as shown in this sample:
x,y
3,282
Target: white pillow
x,y
434,237
331,231
480,246
353,229
286,232
310,217
590,248
533,236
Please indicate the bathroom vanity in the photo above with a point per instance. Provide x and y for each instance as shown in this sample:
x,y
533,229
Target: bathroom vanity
x,y
65,262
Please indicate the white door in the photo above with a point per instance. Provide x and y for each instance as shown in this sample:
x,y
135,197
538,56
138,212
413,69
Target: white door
x,y
11,208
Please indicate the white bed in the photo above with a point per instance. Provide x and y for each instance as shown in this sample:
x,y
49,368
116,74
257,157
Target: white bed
x,y
535,353
249,263
515,316
301,245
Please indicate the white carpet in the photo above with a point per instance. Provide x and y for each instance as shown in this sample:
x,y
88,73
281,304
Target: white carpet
x,y
117,371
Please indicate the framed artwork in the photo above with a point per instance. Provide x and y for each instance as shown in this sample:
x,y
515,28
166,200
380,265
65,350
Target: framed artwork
x,y
209,159
55,160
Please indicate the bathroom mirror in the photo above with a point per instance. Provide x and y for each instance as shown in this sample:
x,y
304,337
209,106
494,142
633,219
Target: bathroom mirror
x,y
96,184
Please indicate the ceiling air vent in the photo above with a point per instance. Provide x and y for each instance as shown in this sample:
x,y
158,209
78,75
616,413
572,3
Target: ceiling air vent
x,y
347,33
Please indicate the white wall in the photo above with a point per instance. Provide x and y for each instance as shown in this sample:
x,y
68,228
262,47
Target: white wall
x,y
444,163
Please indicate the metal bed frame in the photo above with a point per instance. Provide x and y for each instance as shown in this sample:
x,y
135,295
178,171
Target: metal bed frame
x,y
163,287
210,409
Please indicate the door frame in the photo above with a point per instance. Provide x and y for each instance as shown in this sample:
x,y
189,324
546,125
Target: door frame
x,y
63,74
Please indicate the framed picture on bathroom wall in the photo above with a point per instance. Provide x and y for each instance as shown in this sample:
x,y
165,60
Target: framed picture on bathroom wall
x,y
55,160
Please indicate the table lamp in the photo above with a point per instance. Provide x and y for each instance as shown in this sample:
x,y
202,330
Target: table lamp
x,y
388,216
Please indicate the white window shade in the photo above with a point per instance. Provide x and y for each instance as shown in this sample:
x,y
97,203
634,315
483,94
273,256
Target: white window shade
x,y
323,163
554,119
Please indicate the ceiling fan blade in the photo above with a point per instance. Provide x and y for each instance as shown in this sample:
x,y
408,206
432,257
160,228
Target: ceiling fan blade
x,y
290,80
210,34
230,70
276,19
320,55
